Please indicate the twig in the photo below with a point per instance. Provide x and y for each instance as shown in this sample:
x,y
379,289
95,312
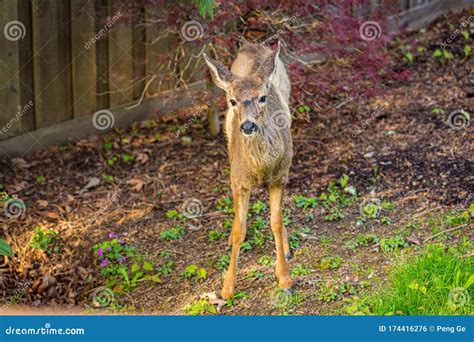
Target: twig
x,y
143,93
444,231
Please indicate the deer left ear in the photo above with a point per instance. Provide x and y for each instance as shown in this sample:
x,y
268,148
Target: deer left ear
x,y
268,68
220,74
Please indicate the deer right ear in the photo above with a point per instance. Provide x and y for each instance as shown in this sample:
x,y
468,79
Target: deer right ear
x,y
220,74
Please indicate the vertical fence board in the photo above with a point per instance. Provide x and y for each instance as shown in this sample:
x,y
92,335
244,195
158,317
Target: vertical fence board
x,y
9,76
102,53
51,58
138,41
83,54
26,66
120,56
160,46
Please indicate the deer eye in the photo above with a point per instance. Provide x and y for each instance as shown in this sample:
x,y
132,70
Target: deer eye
x,y
262,99
233,103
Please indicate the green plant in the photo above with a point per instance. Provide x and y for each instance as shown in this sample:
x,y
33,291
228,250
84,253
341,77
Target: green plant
x,y
40,179
47,240
334,214
111,161
206,7
300,270
107,178
214,235
166,268
330,262
225,204
237,295
266,260
5,248
127,158
173,214
223,263
259,207
327,293
305,202
200,307
114,255
467,50
436,282
192,271
443,53
173,233
255,274
437,111
409,57
393,243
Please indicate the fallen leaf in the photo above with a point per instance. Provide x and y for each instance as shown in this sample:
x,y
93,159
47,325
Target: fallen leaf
x,y
136,184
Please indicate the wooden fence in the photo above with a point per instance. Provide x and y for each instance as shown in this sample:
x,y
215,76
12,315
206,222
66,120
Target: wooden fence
x,y
61,61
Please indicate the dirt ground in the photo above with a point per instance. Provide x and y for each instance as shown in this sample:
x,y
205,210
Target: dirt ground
x,y
396,147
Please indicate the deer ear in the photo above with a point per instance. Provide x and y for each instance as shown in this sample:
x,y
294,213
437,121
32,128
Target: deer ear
x,y
220,74
268,68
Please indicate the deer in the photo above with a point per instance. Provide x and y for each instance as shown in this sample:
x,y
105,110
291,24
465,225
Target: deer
x,y
260,146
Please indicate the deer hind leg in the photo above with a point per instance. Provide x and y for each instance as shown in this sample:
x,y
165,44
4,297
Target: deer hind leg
x,y
281,238
239,229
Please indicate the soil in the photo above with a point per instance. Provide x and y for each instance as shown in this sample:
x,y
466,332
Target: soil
x,y
394,147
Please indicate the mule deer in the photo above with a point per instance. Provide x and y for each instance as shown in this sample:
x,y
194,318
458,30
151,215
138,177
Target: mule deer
x,y
259,144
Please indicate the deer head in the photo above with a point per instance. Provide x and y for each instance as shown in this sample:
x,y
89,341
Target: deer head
x,y
247,96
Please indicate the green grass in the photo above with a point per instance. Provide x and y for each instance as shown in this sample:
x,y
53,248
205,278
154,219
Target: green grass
x,y
425,285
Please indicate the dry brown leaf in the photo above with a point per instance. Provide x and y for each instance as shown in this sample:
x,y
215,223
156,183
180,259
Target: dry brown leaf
x,y
142,158
42,203
136,184
135,214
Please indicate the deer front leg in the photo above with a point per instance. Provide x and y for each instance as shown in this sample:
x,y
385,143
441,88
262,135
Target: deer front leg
x,y
239,229
281,238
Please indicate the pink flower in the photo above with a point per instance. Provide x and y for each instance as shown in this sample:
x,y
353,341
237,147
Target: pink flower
x,y
100,252
104,262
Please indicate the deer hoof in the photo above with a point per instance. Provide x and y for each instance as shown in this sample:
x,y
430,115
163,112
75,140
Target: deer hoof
x,y
289,292
288,256
227,292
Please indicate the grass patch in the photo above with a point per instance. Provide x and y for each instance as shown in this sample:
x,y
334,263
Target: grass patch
x,y
439,281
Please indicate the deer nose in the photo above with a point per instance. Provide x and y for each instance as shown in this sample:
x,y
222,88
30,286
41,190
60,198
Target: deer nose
x,y
248,127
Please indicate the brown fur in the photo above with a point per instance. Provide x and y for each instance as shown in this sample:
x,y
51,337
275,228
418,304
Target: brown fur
x,y
262,159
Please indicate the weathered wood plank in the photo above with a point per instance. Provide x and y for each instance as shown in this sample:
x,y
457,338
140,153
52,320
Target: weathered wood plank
x,y
10,121
138,40
120,55
51,58
160,45
83,55
102,53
